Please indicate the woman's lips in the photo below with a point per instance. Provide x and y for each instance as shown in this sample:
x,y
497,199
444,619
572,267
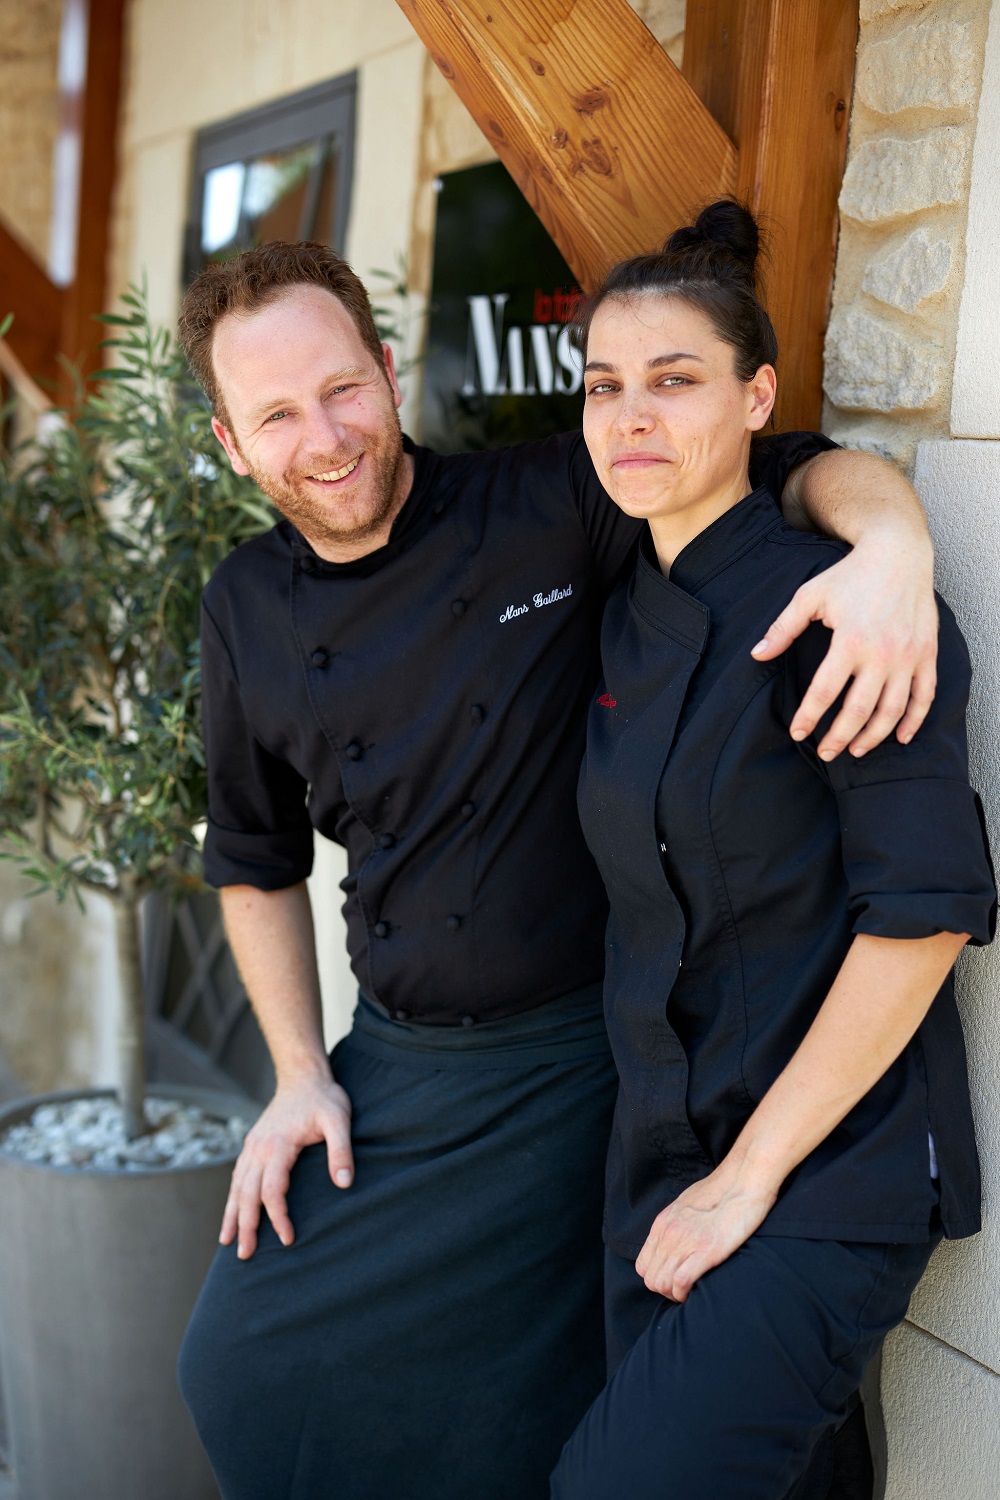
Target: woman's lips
x,y
638,461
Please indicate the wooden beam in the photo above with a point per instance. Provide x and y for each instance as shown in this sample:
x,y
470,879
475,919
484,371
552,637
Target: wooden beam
x,y
80,335
779,73
609,144
37,305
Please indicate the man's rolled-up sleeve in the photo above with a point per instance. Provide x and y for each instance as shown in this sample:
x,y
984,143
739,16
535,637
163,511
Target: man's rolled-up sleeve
x,y
915,848
259,832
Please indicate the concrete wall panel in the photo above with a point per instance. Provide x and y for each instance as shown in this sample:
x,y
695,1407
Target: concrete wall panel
x,y
941,1412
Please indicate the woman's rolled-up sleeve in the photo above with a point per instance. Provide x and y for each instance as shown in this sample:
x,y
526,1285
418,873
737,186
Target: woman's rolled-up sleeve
x,y
259,832
915,849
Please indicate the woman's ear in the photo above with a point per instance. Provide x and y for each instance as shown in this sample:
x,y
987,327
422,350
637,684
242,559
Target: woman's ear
x,y
761,391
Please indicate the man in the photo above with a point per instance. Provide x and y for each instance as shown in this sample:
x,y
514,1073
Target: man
x,y
404,663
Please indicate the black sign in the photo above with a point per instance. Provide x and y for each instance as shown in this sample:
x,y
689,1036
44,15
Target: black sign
x,y
503,362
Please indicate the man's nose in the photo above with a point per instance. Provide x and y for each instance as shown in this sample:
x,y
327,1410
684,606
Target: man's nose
x,y
324,432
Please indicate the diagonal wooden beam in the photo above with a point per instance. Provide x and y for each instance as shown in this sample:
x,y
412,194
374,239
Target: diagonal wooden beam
x,y
608,142
37,305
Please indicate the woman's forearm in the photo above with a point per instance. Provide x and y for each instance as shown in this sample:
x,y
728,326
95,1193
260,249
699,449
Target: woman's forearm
x,y
881,994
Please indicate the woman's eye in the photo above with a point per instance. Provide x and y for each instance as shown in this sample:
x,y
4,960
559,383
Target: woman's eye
x,y
600,388
675,380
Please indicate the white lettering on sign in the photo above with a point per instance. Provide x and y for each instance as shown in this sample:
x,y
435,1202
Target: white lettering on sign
x,y
499,361
542,599
512,611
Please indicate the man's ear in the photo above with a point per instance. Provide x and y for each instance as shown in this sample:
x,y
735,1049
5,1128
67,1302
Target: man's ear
x,y
390,375
229,443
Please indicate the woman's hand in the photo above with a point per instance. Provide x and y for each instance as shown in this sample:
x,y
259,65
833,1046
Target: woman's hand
x,y
701,1229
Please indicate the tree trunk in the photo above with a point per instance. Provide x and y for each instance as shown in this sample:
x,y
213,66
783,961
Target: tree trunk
x,y
132,1015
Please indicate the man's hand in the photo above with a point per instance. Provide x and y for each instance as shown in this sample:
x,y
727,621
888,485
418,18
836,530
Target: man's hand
x,y
879,603
299,1115
700,1229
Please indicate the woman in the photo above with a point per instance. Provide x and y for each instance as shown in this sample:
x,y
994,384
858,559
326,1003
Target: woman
x,y
793,1129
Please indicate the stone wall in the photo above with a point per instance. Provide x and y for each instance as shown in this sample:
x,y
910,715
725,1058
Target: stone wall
x,y
29,113
900,264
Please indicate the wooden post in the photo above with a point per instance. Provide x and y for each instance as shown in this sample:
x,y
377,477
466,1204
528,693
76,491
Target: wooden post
x,y
778,74
37,305
79,334
613,147
608,143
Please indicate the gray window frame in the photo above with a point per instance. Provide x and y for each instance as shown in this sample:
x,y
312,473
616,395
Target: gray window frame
x,y
325,110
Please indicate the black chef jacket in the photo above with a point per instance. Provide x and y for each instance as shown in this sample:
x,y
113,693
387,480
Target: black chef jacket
x,y
739,866
425,707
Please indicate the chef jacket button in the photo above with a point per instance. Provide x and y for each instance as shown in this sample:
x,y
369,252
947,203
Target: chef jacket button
x,y
468,809
381,929
477,713
453,923
319,657
439,507
402,1015
468,1020
386,840
353,751
458,607
308,564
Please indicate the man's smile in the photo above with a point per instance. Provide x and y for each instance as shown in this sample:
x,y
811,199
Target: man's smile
x,y
334,476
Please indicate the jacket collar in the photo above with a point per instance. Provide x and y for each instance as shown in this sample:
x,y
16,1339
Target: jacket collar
x,y
671,603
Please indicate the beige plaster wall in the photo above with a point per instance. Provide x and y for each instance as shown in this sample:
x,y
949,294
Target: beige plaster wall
x,y
890,346
911,366
29,114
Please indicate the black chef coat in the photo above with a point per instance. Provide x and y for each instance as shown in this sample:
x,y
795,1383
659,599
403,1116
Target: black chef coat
x,y
425,707
739,866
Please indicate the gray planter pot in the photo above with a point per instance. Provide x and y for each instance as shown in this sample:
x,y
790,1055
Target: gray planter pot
x,y
99,1273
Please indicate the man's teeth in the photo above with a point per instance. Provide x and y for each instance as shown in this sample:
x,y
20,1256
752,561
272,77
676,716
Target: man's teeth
x,y
340,473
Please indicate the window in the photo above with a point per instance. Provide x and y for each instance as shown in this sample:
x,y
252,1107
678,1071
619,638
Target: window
x,y
280,172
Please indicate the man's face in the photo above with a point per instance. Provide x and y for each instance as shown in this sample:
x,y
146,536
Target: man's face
x,y
312,418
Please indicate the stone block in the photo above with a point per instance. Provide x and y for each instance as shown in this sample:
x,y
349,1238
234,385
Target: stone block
x,y
889,177
871,10
942,1415
915,270
929,64
870,366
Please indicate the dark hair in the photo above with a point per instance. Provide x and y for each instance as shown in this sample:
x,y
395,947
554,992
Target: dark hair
x,y
710,264
255,278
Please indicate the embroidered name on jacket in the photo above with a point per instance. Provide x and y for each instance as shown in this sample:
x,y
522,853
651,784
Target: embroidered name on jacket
x,y
538,600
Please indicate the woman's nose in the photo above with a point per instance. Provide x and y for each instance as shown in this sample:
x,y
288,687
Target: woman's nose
x,y
634,413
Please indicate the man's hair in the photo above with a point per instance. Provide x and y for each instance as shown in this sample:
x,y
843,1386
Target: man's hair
x,y
253,279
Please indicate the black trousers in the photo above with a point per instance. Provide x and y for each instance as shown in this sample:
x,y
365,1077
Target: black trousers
x,y
736,1393
436,1331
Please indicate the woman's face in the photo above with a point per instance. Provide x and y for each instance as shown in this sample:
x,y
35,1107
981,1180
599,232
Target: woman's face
x,y
666,419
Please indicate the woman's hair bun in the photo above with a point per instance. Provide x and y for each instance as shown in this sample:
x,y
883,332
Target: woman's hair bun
x,y
725,235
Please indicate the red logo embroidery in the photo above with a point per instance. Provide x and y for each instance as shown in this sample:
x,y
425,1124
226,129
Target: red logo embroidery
x,y
606,701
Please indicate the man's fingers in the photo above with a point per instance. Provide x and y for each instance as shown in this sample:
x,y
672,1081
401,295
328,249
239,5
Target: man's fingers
x,y
889,711
790,623
829,681
273,1195
858,707
340,1158
248,1211
230,1218
922,690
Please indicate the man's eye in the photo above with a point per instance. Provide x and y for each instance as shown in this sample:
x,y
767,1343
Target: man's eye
x,y
276,416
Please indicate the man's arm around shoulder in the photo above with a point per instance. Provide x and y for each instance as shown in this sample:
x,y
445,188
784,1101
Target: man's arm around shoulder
x,y
878,601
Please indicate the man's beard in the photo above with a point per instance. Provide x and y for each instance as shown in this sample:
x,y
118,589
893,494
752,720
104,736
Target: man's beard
x,y
316,518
